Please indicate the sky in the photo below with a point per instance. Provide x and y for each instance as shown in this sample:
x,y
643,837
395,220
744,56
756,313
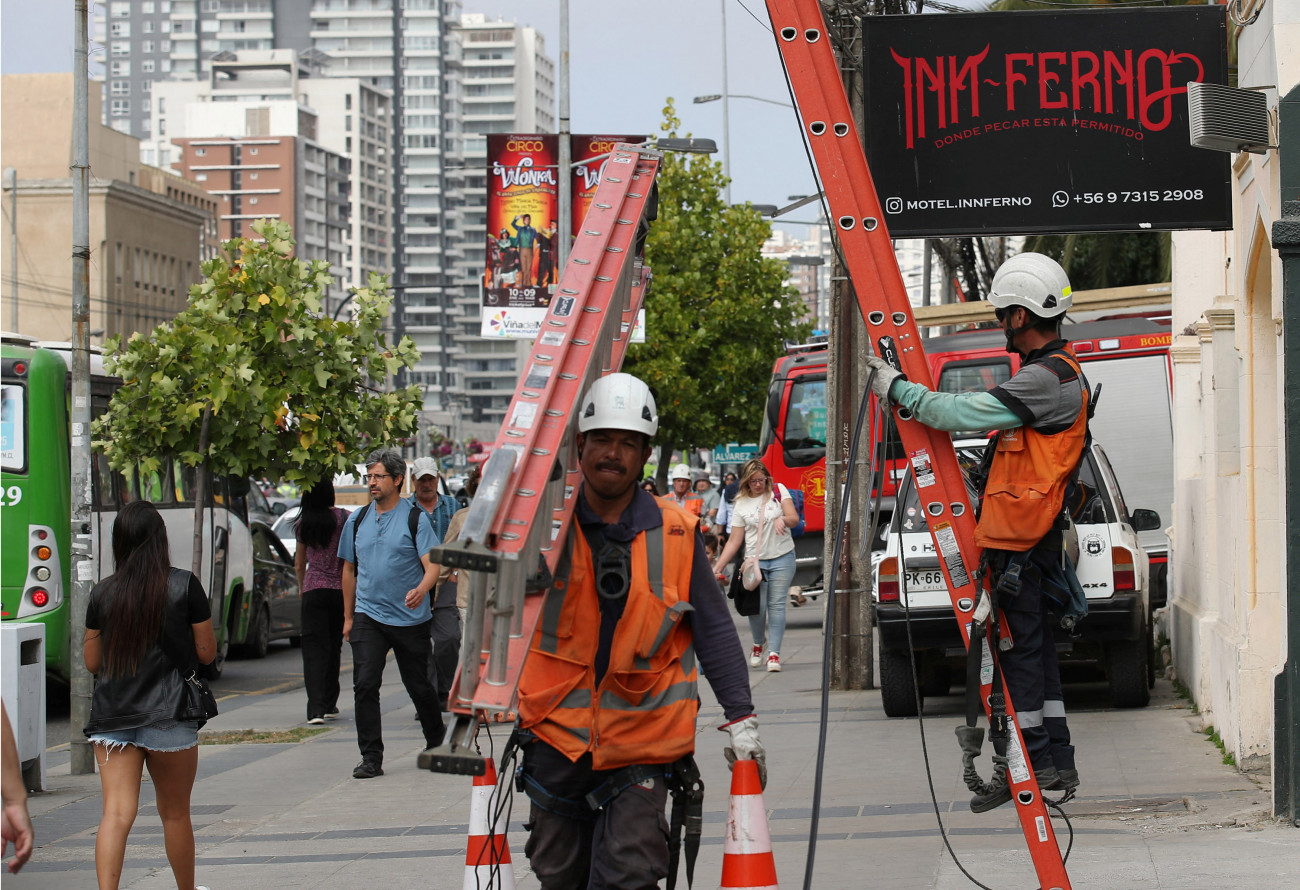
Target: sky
x,y
626,59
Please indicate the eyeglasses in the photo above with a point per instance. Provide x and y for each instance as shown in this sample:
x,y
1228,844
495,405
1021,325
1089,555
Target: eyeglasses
x,y
371,477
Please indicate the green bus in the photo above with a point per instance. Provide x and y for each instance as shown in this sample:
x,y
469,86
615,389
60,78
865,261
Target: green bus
x,y
36,507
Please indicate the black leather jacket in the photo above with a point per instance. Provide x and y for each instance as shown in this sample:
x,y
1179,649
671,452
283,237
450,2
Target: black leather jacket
x,y
153,692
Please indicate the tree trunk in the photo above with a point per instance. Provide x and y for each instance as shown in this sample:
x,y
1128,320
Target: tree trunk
x,y
201,495
667,446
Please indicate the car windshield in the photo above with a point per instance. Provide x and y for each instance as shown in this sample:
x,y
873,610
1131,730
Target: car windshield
x,y
909,517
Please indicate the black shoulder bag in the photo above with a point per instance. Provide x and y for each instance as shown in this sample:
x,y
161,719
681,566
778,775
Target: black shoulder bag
x,y
196,701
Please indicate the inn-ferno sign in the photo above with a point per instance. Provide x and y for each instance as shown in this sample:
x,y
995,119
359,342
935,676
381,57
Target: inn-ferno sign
x,y
1008,123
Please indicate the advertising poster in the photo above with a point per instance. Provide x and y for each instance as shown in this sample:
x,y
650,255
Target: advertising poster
x,y
13,427
522,207
587,176
1019,122
522,212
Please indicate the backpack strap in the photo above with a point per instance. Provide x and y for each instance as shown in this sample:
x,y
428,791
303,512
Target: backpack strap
x,y
356,557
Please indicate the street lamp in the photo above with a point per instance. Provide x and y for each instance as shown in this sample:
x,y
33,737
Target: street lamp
x,y
714,97
726,117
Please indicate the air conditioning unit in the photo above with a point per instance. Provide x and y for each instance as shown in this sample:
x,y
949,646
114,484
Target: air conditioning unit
x,y
1222,118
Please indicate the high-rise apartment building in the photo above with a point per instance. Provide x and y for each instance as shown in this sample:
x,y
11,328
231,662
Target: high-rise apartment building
x,y
342,213
508,87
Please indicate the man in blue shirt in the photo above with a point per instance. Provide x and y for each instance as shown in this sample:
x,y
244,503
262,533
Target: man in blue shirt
x,y
446,617
387,576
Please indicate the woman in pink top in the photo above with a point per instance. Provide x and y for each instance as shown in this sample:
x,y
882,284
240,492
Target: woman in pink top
x,y
320,582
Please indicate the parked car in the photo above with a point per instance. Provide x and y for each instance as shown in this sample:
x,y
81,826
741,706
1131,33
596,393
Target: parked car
x,y
275,607
285,524
1112,568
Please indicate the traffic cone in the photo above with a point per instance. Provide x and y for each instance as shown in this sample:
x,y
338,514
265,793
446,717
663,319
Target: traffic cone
x,y
487,859
747,852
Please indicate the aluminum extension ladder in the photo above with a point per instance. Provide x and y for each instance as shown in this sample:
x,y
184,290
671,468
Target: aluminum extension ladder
x,y
830,130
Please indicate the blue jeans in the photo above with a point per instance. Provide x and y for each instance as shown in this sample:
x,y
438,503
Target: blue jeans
x,y
773,593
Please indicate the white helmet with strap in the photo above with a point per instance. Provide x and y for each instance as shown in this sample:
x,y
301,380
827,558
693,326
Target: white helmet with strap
x,y
1034,281
619,402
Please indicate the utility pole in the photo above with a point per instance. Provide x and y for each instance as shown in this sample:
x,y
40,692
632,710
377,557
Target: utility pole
x,y
82,557
851,644
1286,240
11,182
726,113
564,184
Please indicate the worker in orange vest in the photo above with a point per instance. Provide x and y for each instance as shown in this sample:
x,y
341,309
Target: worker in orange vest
x,y
1042,413
608,697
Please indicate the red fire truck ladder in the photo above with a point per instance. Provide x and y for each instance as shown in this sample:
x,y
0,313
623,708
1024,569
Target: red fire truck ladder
x,y
827,119
515,531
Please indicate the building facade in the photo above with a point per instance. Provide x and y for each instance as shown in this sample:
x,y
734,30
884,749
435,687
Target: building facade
x,y
149,230
1227,611
509,87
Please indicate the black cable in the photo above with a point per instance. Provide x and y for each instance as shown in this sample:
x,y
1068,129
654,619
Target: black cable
x,y
828,636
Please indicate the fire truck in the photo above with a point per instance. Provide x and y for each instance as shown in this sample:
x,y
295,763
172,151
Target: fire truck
x,y
1127,355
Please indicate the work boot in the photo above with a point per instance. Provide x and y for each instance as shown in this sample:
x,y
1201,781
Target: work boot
x,y
1000,793
1067,780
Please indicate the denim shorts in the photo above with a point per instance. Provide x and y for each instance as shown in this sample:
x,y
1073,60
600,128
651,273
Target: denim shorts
x,y
164,735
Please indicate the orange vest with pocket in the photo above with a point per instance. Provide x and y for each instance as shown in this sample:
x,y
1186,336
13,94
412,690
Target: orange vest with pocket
x,y
644,709
1028,478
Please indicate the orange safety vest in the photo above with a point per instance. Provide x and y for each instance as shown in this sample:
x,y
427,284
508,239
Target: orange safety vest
x,y
1027,481
694,504
644,709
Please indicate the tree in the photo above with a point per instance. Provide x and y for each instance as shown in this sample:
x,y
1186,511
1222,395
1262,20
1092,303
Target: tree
x,y
716,312
251,378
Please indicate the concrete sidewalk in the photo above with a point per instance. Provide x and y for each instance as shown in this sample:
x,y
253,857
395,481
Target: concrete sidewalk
x,y
1157,807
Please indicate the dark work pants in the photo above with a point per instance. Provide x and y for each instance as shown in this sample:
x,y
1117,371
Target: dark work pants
x,y
1033,678
446,646
322,647
623,847
371,642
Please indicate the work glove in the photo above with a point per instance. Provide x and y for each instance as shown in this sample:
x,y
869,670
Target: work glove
x,y
746,745
884,377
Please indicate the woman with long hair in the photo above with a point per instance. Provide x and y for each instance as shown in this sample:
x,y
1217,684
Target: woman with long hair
x,y
320,582
761,520
143,622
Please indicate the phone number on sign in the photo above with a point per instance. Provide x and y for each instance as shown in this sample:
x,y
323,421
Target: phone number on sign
x,y
1147,196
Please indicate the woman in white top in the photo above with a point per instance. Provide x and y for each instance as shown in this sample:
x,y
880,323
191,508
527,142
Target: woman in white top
x,y
761,520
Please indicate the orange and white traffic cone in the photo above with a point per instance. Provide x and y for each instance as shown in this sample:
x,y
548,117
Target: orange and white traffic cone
x,y
747,852
487,859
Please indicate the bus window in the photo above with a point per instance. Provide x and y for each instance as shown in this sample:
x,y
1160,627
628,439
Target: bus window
x,y
186,481
978,375
13,427
151,485
804,431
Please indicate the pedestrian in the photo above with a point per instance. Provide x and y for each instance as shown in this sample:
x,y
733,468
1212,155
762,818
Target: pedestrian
x,y
459,579
650,486
440,508
17,828
761,520
608,696
387,576
726,503
1042,412
144,623
319,569
709,495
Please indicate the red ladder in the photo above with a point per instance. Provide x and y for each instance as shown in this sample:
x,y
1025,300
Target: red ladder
x,y
827,119
515,530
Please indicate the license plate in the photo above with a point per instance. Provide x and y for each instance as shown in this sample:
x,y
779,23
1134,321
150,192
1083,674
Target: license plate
x,y
927,580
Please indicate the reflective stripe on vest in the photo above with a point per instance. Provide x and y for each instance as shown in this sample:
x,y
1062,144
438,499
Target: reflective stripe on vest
x,y
644,709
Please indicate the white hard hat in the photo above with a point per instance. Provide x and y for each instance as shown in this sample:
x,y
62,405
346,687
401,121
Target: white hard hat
x,y
681,471
619,402
1034,281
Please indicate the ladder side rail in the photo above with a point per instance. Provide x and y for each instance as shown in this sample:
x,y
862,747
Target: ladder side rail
x,y
581,338
827,118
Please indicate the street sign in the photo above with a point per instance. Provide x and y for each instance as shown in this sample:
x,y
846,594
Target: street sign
x,y
1017,122
732,453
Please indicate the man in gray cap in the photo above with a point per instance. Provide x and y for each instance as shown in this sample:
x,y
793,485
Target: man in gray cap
x,y
446,617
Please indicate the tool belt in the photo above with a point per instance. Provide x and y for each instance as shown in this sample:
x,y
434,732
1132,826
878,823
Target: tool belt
x,y
682,778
